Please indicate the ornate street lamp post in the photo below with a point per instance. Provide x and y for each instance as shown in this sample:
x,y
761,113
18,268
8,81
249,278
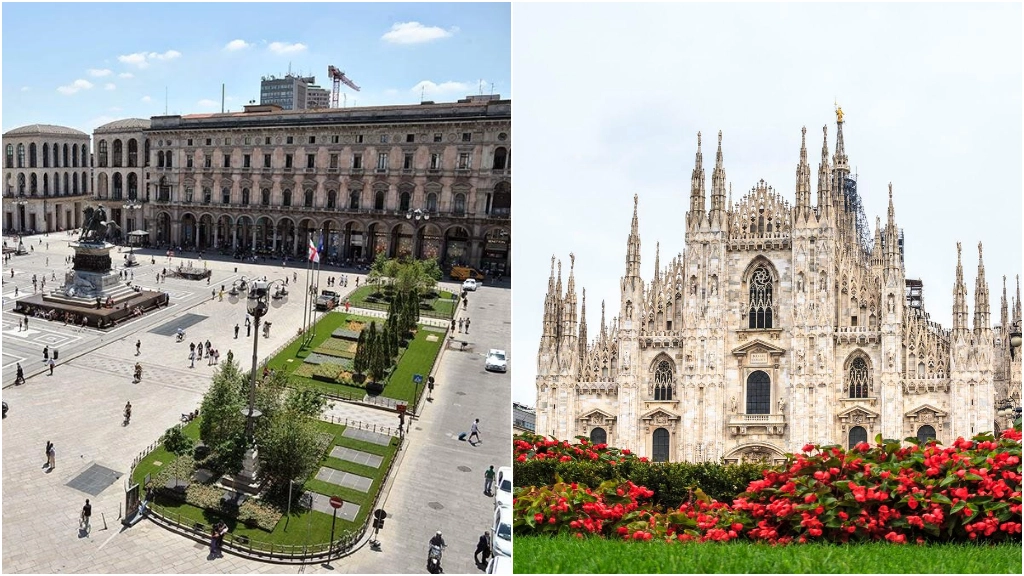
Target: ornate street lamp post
x,y
257,304
416,215
131,206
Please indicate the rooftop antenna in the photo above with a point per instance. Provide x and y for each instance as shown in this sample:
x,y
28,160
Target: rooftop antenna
x,y
165,100
423,91
492,87
481,86
222,98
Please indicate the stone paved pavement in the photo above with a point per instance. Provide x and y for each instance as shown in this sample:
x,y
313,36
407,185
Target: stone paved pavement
x,y
79,409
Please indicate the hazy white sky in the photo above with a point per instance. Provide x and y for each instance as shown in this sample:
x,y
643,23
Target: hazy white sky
x,y
609,99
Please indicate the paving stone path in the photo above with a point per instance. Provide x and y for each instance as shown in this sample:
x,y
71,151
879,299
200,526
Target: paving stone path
x,y
367,436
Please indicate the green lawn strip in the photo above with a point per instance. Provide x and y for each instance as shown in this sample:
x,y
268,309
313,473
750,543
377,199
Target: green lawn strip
x,y
364,446
417,359
353,467
566,554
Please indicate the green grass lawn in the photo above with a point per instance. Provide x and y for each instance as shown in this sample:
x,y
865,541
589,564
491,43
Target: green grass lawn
x,y
441,307
301,527
157,459
417,359
566,555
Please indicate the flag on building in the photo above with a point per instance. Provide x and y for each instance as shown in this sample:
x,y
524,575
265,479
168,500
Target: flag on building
x,y
320,248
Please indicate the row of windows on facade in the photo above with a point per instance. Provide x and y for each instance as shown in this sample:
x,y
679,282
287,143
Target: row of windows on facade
x,y
70,156
334,139
465,161
660,439
759,391
30,186
501,204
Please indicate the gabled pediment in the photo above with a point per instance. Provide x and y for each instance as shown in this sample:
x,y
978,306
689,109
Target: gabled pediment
x,y
926,408
659,415
755,346
597,416
856,410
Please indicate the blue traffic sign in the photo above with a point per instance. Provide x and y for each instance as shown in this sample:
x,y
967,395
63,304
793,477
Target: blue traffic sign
x,y
417,378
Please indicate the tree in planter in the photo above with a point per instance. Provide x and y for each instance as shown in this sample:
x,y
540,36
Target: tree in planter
x,y
378,359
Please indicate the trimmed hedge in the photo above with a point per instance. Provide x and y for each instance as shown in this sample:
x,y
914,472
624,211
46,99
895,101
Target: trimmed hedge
x,y
672,482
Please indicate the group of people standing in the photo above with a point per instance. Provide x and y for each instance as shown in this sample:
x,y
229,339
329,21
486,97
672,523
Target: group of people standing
x,y
196,352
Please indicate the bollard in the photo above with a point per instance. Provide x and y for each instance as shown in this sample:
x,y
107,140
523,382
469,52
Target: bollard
x,y
104,520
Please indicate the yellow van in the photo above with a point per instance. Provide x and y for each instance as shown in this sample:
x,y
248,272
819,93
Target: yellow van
x,y
461,273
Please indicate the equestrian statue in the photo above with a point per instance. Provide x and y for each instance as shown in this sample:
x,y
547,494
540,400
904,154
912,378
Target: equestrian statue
x,y
97,229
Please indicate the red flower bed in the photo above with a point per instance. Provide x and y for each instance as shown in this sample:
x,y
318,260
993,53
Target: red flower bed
x,y
968,491
535,447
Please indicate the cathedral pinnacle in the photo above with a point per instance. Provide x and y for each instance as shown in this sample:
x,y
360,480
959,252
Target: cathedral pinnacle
x,y
981,306
824,178
697,193
840,161
583,331
657,261
604,333
803,175
959,296
1016,303
718,187
633,244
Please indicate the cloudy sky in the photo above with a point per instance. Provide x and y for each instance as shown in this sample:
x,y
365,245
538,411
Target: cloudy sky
x,y
609,100
83,65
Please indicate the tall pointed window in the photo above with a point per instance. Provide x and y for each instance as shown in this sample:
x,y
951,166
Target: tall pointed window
x,y
860,379
760,312
663,381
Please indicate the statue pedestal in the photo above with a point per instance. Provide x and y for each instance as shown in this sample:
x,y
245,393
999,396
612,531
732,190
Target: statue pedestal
x,y
245,481
92,278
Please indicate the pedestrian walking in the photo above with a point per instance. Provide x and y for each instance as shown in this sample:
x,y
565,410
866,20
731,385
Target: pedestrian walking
x,y
52,364
138,347
483,547
46,353
51,456
236,331
15,291
248,327
461,322
192,359
19,324
467,325
46,453
489,481
474,430
26,317
83,522
127,413
20,378
191,346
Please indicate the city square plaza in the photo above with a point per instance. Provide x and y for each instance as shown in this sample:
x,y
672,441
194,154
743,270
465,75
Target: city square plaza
x,y
437,483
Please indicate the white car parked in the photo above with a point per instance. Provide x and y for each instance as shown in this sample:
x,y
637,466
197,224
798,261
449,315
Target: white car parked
x,y
496,361
503,495
501,532
499,565
470,285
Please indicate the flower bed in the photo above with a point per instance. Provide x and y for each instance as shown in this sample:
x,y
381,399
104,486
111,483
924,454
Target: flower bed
x,y
968,491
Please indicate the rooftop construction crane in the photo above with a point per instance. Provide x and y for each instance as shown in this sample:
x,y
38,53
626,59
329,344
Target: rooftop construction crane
x,y
338,76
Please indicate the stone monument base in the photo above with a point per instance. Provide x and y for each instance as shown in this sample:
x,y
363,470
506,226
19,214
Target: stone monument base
x,y
102,317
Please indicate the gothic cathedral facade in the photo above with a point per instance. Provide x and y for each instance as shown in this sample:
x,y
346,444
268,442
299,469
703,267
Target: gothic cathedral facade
x,y
778,325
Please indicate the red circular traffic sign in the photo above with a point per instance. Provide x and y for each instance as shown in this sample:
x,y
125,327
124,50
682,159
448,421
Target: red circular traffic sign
x,y
336,502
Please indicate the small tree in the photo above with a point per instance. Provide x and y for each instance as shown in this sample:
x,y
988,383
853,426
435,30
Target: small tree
x,y
288,449
222,419
176,442
378,362
361,359
306,402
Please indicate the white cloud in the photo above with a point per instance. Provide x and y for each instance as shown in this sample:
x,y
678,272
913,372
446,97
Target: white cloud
x,y
126,75
147,99
426,87
110,86
99,72
286,48
237,45
207,103
115,108
25,88
75,86
391,92
415,33
143,59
